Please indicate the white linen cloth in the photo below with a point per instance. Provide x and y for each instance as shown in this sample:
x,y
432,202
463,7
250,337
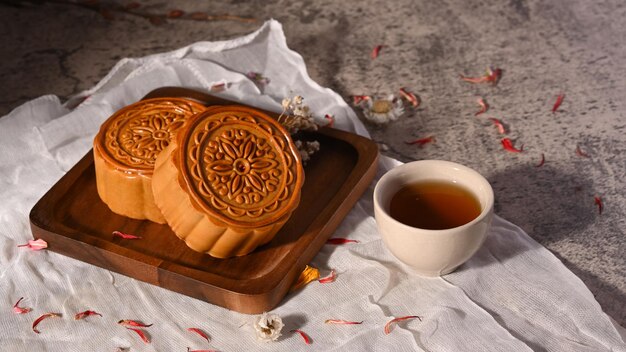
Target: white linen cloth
x,y
513,295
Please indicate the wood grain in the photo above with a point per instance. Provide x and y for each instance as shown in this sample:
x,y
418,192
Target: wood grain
x,y
75,222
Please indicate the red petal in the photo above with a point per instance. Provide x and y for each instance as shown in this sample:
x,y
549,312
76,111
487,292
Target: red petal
x,y
508,146
357,99
376,51
410,97
141,334
499,125
393,321
339,240
579,152
493,75
342,322
483,106
41,318
473,79
218,87
331,120
133,323
328,279
199,332
175,13
422,141
558,102
306,337
125,236
85,314
598,201
35,245
20,310
543,160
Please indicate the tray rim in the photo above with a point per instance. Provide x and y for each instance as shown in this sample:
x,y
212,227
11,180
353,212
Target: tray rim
x,y
350,191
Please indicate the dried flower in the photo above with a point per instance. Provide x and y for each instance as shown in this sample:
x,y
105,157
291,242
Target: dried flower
x,y
422,141
381,111
296,116
258,78
558,102
598,201
127,322
308,274
41,318
305,337
19,310
35,245
200,332
268,327
342,322
328,279
542,161
507,144
339,240
395,320
483,106
125,236
85,314
306,149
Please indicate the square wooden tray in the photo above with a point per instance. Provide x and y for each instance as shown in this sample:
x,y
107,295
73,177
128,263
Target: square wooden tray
x,y
76,223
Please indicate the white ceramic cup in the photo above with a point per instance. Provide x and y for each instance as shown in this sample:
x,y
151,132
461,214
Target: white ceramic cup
x,y
432,252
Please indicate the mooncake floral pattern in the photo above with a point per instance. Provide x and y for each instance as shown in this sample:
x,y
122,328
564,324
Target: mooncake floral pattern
x,y
140,132
242,166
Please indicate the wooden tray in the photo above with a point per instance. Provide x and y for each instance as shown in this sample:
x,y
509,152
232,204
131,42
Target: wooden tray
x,y
76,223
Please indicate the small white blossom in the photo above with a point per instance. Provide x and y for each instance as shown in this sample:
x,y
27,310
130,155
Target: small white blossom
x,y
268,327
381,111
307,149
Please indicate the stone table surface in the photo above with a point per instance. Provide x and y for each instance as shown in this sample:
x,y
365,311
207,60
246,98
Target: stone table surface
x,y
544,48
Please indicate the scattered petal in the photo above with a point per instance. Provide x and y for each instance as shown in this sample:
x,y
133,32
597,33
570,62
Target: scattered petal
x,y
268,327
328,279
558,102
499,125
492,76
330,119
134,323
376,51
507,144
190,350
141,334
85,314
395,320
542,161
175,13
410,97
422,141
258,78
306,337
200,332
598,201
308,274
342,322
41,318
219,87
35,245
126,236
156,20
580,153
19,310
483,106
339,240
357,99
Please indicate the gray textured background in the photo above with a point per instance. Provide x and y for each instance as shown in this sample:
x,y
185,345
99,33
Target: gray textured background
x,y
544,47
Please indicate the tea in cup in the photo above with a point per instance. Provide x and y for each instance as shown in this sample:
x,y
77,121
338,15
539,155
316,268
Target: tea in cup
x,y
433,215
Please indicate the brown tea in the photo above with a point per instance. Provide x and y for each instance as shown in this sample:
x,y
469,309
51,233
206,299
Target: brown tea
x,y
434,205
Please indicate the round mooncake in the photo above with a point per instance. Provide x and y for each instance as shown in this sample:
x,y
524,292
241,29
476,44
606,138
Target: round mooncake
x,y
229,181
126,148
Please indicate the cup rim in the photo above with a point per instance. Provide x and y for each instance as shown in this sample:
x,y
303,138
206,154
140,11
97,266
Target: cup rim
x,y
483,213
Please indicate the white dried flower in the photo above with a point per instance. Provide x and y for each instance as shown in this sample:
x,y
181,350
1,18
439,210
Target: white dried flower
x,y
306,149
268,327
296,116
381,111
